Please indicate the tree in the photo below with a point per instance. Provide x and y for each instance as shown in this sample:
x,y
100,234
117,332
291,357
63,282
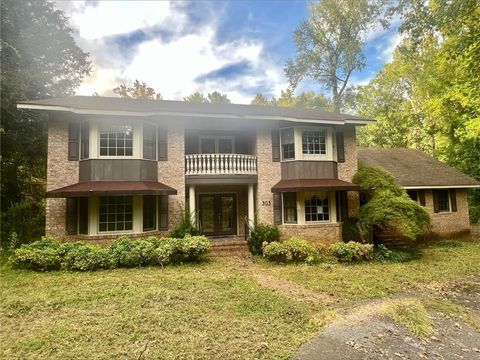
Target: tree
x,y
39,59
218,98
309,100
212,98
196,97
260,100
137,91
330,43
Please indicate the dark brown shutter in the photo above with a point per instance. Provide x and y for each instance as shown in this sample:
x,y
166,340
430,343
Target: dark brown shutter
x,y
435,201
453,200
73,139
162,143
72,216
83,215
163,212
340,147
342,205
275,145
277,208
421,197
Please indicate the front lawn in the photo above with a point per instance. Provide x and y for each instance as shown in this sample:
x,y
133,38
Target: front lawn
x,y
217,309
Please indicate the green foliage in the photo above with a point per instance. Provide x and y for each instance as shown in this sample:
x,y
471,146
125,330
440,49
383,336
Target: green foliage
x,y
48,254
212,98
262,234
352,251
294,250
39,59
388,205
308,100
137,91
184,227
352,231
395,255
330,43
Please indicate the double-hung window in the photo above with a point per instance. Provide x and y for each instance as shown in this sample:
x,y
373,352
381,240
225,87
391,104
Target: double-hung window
x,y
290,208
116,140
288,144
443,200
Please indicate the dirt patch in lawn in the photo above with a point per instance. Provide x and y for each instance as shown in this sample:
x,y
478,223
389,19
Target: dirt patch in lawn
x,y
372,331
282,286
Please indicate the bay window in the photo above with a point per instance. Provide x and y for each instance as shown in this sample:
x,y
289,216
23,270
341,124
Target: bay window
x,y
316,208
314,142
115,213
290,207
116,140
288,144
149,212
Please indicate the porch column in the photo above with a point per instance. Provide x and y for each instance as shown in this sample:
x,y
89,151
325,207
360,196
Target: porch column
x,y
251,205
191,203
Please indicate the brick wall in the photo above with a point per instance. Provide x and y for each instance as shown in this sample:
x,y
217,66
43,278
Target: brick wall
x,y
449,223
347,169
172,173
318,234
269,174
60,172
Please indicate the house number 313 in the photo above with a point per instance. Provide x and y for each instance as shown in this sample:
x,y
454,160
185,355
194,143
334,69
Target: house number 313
x,y
265,202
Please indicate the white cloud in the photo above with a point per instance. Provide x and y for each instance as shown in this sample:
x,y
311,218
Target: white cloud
x,y
171,67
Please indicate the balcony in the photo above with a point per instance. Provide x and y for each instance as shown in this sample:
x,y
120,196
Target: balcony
x,y
220,164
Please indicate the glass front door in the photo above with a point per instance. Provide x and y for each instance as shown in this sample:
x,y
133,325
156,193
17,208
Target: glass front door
x,y
218,214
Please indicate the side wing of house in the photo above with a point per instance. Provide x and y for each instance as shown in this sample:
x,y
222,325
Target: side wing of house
x,y
441,189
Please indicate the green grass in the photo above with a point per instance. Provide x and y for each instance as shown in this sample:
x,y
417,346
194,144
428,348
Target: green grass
x,y
411,314
214,310
377,279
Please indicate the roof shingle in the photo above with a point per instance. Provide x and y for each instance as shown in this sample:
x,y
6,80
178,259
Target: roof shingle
x,y
411,168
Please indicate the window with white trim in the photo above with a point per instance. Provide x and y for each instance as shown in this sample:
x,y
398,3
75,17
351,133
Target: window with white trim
x,y
115,213
314,142
288,143
290,208
116,140
316,208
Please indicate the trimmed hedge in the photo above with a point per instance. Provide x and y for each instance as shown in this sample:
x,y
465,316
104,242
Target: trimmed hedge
x,y
294,250
48,254
352,251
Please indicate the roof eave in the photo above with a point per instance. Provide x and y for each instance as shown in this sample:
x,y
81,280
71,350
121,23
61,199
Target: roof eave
x,y
82,111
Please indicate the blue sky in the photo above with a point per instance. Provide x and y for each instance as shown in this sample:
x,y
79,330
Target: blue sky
x,y
235,47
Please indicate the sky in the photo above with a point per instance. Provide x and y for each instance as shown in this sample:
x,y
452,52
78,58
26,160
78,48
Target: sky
x,y
178,47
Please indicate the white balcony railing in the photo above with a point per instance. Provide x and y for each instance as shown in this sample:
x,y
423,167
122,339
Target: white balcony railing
x,y
217,164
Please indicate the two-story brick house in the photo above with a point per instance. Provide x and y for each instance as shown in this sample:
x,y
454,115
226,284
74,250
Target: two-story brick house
x,y
123,166
120,166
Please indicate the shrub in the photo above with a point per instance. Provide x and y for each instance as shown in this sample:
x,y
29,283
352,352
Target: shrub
x,y
382,253
389,206
85,257
351,231
48,254
352,251
185,227
42,255
262,234
294,250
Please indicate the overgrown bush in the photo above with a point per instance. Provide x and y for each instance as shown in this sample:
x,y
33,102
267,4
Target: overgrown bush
x,y
394,255
262,234
388,205
48,254
185,227
351,230
294,250
352,251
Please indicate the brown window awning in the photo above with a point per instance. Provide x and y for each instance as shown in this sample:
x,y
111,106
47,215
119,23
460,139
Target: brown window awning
x,y
112,188
313,185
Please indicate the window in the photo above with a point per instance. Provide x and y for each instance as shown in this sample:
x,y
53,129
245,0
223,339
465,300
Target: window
x,y
290,207
84,140
116,140
149,141
443,200
217,144
149,212
313,143
115,213
288,144
316,209
413,194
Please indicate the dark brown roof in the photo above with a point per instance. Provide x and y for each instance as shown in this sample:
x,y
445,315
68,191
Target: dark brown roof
x,y
312,185
90,104
117,188
412,168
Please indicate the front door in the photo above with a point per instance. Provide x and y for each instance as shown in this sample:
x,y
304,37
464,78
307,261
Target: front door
x,y
218,215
